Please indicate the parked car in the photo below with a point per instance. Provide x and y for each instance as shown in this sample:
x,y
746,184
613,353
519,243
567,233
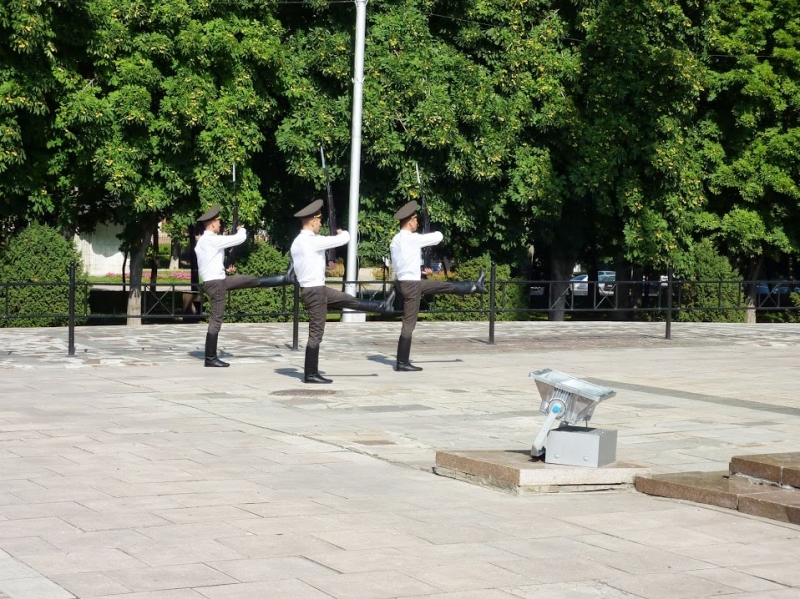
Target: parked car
x,y
786,288
606,280
579,285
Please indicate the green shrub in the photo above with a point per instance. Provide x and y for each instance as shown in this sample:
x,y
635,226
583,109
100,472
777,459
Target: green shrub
x,y
262,259
511,296
698,299
39,254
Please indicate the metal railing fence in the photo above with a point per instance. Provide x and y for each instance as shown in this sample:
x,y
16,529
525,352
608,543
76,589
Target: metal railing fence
x,y
505,299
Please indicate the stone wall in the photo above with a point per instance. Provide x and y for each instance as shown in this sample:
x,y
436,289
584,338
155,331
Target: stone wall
x,y
100,250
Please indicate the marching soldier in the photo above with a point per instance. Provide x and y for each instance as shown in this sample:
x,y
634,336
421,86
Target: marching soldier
x,y
406,250
308,256
210,250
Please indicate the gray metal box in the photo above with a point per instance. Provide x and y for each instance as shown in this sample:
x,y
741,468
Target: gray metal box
x,y
581,446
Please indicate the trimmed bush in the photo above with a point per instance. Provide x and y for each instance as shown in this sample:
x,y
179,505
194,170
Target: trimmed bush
x,y
509,296
261,260
699,300
39,255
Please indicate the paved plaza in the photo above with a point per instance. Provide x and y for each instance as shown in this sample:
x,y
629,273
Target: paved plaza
x,y
130,471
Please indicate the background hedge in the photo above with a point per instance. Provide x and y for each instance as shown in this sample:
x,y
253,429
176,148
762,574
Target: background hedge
x,y
259,259
38,254
511,296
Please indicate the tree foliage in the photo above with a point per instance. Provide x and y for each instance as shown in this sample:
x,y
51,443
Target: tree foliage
x,y
612,131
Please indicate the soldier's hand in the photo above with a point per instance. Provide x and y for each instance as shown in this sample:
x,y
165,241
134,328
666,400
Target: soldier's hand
x,y
427,271
231,269
339,231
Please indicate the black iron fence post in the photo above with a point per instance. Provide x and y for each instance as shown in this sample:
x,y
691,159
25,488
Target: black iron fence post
x,y
71,336
669,304
492,284
296,317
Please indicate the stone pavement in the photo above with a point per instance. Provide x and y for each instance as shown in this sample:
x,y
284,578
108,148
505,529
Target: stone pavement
x,y
130,471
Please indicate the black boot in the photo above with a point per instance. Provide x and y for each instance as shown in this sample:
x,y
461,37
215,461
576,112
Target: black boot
x,y
478,288
403,351
468,287
383,307
211,352
278,280
311,370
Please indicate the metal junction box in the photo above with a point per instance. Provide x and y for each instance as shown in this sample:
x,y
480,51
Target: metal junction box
x,y
581,446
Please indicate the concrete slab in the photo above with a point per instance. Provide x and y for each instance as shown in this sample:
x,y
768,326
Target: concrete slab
x,y
516,471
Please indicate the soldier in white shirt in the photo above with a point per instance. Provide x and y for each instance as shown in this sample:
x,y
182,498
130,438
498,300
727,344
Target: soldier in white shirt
x,y
210,250
308,257
406,250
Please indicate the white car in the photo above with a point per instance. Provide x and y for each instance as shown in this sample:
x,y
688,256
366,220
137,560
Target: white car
x,y
579,285
606,280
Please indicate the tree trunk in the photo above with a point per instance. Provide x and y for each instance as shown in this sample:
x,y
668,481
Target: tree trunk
x,y
124,266
195,275
622,290
154,263
560,271
751,289
175,254
140,240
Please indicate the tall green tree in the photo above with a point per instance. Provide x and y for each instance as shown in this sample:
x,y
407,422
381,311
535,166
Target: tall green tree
x,y
751,131
42,51
180,90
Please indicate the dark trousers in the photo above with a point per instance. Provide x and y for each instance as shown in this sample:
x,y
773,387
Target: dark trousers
x,y
216,290
318,301
412,292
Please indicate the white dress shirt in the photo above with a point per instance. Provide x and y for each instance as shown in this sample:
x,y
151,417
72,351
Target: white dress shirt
x,y
308,255
406,249
210,250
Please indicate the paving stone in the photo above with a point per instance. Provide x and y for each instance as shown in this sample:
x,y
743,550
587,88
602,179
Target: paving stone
x,y
34,588
32,527
81,561
371,585
277,568
169,577
171,594
89,584
372,560
571,590
285,589
779,573
681,585
11,568
737,580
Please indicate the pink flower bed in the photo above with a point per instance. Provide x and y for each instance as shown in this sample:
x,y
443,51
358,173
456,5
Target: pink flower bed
x,y
161,275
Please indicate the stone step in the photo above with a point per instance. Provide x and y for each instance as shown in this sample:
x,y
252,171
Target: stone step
x,y
725,490
780,468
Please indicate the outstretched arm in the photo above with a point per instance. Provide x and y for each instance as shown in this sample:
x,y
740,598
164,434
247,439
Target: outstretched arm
x,y
324,242
427,239
227,241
